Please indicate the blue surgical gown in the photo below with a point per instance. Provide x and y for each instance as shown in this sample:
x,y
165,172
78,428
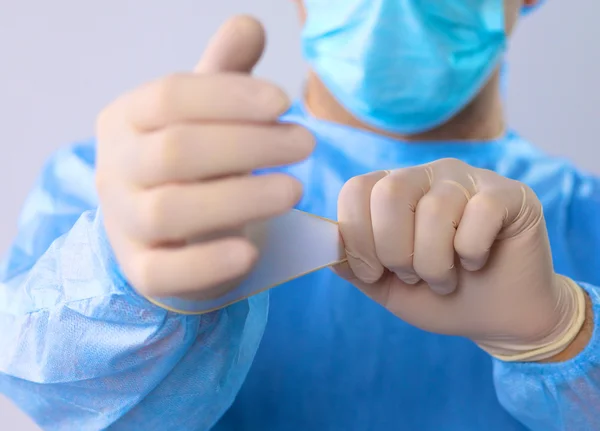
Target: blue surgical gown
x,y
82,351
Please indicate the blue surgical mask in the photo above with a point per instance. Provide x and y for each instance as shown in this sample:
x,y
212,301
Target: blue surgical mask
x,y
404,66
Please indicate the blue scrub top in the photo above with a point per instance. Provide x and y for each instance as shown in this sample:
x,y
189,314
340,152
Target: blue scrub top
x,y
83,351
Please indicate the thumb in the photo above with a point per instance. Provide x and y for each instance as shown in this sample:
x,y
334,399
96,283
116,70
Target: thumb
x,y
236,47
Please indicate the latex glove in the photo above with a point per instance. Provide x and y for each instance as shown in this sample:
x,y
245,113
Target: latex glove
x,y
457,250
173,166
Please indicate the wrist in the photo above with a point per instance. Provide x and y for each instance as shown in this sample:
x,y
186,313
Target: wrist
x,y
582,339
568,333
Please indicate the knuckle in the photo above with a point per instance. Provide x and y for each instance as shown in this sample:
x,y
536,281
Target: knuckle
x,y
485,203
359,185
154,213
168,152
522,186
530,194
388,189
450,162
164,93
431,206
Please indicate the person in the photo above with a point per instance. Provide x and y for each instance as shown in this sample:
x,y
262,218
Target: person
x,y
468,298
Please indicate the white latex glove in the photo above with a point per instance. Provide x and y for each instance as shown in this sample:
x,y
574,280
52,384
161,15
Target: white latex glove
x,y
462,251
173,166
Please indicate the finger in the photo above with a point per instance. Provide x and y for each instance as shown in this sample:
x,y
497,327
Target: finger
x,y
501,209
354,218
393,204
195,152
183,98
179,212
438,216
236,47
199,269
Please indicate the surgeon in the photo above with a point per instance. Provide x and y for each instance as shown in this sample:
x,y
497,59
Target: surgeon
x,y
470,295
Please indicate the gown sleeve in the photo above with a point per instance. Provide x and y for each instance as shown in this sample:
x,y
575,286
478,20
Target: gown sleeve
x,y
565,396
81,350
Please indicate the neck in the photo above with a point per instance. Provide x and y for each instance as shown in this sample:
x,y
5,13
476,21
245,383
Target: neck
x,y
482,119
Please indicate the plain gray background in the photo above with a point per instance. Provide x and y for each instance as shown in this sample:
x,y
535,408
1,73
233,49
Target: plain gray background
x,y
62,61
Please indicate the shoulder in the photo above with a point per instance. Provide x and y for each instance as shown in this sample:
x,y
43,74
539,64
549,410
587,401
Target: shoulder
x,y
548,174
66,183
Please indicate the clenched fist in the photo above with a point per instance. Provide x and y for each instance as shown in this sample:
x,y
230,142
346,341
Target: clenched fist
x,y
457,250
174,164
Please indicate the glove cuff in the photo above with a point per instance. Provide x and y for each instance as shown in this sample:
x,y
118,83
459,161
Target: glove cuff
x,y
572,301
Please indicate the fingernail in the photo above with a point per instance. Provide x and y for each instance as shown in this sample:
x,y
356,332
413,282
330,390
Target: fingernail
x,y
408,278
469,265
442,289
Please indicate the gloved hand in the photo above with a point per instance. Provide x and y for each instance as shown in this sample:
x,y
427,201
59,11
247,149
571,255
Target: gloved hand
x,y
462,251
173,165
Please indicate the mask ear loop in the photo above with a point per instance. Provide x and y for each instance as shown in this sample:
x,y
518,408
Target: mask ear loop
x,y
526,10
504,76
